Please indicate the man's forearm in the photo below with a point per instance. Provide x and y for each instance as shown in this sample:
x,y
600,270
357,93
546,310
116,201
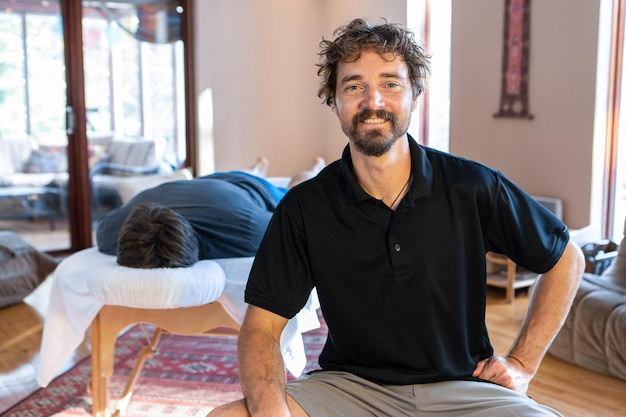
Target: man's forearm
x,y
262,374
549,305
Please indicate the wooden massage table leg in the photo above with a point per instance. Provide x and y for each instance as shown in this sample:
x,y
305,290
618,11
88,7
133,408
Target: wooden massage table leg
x,y
99,377
146,352
111,320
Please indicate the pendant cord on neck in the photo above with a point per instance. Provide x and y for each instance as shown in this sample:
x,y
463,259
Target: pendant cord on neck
x,y
401,191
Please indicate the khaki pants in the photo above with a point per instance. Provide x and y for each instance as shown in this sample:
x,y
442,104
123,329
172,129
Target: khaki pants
x,y
340,394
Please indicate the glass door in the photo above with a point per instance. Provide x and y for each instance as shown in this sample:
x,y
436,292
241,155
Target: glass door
x,y
33,142
92,94
134,94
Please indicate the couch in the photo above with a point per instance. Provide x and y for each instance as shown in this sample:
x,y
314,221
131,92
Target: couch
x,y
23,162
594,333
118,159
33,169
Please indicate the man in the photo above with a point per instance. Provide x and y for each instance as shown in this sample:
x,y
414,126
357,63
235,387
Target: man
x,y
393,237
222,215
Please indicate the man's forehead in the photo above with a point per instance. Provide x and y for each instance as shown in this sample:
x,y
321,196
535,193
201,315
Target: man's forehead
x,y
371,54
387,65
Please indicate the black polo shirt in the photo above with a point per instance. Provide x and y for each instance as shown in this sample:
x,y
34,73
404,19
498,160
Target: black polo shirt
x,y
403,292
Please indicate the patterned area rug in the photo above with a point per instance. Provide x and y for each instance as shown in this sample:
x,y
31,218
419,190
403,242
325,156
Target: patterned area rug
x,y
189,376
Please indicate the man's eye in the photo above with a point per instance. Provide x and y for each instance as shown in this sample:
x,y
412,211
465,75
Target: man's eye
x,y
351,88
392,85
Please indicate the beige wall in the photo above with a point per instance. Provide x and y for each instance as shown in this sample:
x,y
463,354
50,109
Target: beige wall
x,y
257,59
550,155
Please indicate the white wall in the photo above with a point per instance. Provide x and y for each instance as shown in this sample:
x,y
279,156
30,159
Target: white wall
x,y
251,54
550,155
258,58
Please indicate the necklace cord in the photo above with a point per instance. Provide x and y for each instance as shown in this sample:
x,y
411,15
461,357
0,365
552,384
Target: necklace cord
x,y
401,191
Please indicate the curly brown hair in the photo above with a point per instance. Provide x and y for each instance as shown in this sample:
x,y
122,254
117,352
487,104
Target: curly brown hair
x,y
358,36
153,236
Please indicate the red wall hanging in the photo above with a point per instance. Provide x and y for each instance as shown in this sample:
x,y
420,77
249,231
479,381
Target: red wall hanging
x,y
515,59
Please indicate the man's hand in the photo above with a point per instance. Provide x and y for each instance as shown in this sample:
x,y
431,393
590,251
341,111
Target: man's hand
x,y
548,307
508,372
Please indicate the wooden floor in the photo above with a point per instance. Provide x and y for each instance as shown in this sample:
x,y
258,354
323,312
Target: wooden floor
x,y
573,391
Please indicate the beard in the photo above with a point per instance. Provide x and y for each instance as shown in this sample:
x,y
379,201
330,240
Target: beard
x,y
374,142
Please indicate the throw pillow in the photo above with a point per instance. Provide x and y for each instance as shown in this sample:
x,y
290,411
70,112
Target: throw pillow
x,y
14,153
46,159
22,268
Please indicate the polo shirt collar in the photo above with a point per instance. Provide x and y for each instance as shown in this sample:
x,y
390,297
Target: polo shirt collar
x,y
421,169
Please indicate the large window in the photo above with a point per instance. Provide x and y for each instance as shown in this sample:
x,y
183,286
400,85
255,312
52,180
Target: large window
x,y
131,86
615,161
432,22
32,77
127,82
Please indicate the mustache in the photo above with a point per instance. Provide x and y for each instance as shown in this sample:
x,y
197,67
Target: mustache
x,y
378,114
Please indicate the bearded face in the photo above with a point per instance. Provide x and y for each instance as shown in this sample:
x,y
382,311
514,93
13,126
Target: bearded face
x,y
374,100
373,132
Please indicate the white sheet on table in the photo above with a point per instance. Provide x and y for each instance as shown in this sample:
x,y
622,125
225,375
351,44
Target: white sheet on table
x,y
78,292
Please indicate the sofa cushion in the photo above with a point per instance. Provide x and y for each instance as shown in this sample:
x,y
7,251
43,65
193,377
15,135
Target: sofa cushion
x,y
47,159
593,334
136,153
615,274
42,179
14,152
24,163
22,268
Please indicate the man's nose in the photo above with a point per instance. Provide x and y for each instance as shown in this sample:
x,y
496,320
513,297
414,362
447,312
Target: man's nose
x,y
373,99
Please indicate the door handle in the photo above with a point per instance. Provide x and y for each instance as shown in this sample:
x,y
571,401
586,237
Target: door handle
x,y
69,120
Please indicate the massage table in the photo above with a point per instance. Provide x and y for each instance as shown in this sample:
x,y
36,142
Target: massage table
x,y
89,289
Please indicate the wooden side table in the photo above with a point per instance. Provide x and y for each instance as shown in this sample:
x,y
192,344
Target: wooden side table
x,y
512,280
27,202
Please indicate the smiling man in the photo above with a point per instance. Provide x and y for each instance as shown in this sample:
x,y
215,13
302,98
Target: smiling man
x,y
374,109
393,237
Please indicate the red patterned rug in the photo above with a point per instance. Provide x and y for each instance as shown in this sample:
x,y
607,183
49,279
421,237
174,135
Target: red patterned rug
x,y
188,377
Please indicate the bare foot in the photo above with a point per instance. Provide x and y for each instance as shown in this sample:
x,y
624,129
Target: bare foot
x,y
259,168
318,165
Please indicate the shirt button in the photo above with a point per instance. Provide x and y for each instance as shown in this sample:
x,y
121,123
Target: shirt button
x,y
397,247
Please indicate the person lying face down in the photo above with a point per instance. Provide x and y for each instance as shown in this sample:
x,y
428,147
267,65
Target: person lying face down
x,y
156,237
175,224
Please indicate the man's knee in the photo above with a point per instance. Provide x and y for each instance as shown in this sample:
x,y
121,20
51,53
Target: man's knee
x,y
234,409
239,409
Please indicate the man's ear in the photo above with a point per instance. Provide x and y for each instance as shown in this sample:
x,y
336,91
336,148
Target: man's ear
x,y
331,103
414,104
417,92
